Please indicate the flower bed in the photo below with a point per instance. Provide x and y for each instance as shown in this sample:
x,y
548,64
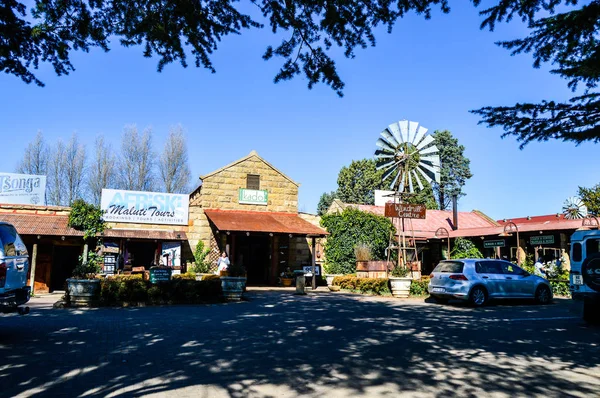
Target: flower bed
x,y
376,286
182,289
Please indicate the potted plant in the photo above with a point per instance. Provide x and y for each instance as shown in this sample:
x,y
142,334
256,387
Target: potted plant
x,y
201,267
287,278
400,282
83,289
234,283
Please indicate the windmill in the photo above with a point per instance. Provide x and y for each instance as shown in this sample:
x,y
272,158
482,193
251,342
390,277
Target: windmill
x,y
408,156
573,208
409,159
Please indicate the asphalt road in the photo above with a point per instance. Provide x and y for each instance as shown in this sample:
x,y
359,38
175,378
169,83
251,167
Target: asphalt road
x,y
281,345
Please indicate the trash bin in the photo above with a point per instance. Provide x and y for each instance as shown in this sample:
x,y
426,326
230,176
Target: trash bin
x,y
300,282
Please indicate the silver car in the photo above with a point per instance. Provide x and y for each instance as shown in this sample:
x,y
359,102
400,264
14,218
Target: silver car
x,y
479,280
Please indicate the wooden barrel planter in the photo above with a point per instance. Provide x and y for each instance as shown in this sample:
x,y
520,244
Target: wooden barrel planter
x,y
373,269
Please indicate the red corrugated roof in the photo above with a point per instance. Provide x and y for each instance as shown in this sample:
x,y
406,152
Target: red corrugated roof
x,y
558,217
528,226
256,221
435,219
56,225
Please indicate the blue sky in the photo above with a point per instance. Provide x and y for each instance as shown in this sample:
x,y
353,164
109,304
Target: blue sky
x,y
431,71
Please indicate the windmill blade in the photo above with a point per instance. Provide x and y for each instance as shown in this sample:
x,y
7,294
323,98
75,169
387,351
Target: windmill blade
x,y
416,177
425,176
394,128
384,145
389,170
410,183
432,171
432,160
427,151
387,135
395,180
421,131
412,131
386,165
425,142
403,124
401,185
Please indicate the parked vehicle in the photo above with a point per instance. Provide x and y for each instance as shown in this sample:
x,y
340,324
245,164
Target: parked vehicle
x,y
479,280
14,265
585,272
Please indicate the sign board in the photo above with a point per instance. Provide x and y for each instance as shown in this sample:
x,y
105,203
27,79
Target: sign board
x,y
160,274
253,197
308,269
22,189
171,252
405,210
144,207
493,243
541,240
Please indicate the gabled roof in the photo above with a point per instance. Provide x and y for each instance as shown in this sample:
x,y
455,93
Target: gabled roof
x,y
252,154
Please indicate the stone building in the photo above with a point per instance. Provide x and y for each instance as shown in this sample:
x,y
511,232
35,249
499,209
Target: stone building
x,y
249,209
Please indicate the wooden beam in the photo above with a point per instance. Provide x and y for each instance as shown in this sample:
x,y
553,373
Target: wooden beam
x,y
314,261
33,264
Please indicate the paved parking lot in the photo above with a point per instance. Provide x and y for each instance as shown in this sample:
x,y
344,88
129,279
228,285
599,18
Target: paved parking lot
x,y
281,345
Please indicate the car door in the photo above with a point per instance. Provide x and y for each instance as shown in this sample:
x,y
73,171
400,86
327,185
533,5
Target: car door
x,y
490,274
14,260
518,282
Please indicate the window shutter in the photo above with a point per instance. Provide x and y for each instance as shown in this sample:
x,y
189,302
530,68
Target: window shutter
x,y
253,181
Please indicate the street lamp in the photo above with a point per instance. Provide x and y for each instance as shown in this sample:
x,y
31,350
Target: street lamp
x,y
508,228
443,233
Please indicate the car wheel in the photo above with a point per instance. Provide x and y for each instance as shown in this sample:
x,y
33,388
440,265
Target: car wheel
x,y
591,311
543,295
440,300
478,296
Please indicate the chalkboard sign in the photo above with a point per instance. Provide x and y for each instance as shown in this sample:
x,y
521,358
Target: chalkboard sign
x,y
160,275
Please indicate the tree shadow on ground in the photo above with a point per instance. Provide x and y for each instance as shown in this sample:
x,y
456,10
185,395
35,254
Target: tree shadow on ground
x,y
283,345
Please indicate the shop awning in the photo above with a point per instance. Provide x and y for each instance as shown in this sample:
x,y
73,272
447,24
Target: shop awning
x,y
255,221
57,225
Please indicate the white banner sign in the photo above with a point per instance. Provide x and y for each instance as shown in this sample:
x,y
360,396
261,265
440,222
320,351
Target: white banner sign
x,y
22,189
144,207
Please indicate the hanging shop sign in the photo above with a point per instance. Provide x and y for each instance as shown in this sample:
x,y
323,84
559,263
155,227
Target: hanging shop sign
x,y
493,243
144,207
541,240
253,196
405,210
171,254
22,189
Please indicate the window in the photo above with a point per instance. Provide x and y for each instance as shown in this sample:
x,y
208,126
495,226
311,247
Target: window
x,y
253,181
11,244
452,267
577,252
591,247
510,269
488,267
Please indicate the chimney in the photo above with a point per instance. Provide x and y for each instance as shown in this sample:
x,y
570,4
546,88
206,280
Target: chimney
x,y
454,213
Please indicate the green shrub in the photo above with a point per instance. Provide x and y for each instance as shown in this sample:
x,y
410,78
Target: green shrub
x,y
400,272
350,228
377,286
419,287
202,264
560,288
464,248
527,264
188,275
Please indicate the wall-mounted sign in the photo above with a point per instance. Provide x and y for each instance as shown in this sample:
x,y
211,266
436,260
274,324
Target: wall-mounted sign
x,y
253,197
493,243
144,207
541,240
171,254
405,210
22,189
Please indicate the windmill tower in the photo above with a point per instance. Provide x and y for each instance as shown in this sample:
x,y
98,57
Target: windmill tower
x,y
410,159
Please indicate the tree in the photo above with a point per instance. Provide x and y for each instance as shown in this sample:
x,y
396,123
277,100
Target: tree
x,y
357,182
591,198
325,201
56,183
102,172
423,197
36,156
454,171
136,161
347,230
173,164
73,169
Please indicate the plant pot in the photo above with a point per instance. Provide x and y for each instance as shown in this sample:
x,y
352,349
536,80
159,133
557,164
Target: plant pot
x,y
287,282
334,288
329,278
400,286
83,292
233,287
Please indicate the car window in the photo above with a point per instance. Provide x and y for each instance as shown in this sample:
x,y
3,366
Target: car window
x,y
577,252
8,236
510,269
592,246
453,267
488,267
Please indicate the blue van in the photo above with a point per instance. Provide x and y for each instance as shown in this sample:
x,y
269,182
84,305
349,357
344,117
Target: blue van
x,y
14,265
585,272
